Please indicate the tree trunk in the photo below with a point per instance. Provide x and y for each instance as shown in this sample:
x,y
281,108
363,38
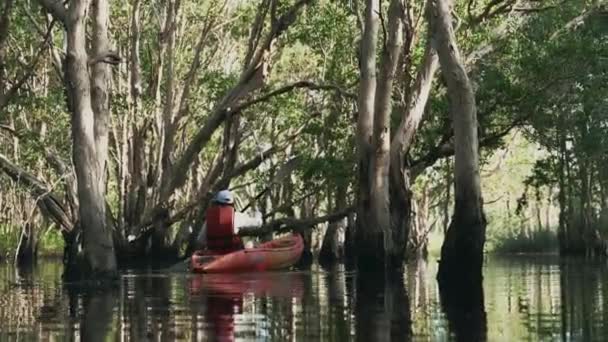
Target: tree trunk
x,y
5,17
375,244
462,250
307,210
448,192
563,211
537,209
417,242
380,170
27,249
89,134
330,250
368,241
593,244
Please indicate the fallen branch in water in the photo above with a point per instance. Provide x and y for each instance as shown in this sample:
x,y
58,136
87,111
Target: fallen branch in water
x,y
286,224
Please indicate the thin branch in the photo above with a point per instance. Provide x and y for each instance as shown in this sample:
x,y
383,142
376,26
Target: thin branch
x,y
579,20
252,78
533,9
49,202
290,87
108,57
289,205
446,148
290,224
10,94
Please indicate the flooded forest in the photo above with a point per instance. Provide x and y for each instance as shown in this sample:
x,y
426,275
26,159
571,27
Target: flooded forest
x,y
440,165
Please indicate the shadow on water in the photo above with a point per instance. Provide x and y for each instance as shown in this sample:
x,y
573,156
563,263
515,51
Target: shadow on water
x,y
522,298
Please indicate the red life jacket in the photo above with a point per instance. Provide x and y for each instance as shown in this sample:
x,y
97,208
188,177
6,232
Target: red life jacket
x,y
220,230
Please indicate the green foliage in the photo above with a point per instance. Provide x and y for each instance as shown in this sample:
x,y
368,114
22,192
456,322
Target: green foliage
x,y
50,241
9,237
505,242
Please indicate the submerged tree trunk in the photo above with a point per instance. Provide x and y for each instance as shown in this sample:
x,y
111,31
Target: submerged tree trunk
x,y
330,249
462,250
368,241
380,170
562,230
375,244
89,133
27,249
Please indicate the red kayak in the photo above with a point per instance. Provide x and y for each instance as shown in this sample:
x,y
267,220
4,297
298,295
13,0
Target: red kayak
x,y
276,254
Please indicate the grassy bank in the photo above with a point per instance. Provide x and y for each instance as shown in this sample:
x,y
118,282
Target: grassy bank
x,y
544,241
50,242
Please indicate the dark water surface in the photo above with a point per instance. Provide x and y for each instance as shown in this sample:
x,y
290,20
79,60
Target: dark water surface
x,y
526,298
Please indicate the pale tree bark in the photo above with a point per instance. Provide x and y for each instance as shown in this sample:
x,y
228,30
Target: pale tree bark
x,y
132,149
379,193
252,78
168,128
5,17
375,245
365,120
256,68
400,192
462,250
100,85
89,105
330,249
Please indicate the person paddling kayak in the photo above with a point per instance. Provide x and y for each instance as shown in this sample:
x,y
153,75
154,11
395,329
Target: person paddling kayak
x,y
219,233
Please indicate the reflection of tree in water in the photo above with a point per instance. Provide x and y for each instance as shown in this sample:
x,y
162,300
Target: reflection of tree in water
x,y
462,301
146,308
424,314
535,297
339,311
96,317
382,308
28,310
525,300
584,302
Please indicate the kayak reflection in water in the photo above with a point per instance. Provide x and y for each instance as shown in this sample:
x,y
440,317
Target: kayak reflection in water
x,y
218,308
219,299
219,233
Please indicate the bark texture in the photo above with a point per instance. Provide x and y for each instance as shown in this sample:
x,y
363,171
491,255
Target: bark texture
x,y
462,250
331,250
400,175
89,135
365,122
375,244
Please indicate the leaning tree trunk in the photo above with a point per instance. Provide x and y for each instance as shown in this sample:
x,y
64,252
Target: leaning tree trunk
x,y
400,182
462,250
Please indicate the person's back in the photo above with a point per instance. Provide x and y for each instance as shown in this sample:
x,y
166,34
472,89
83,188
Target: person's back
x,y
220,234
222,223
